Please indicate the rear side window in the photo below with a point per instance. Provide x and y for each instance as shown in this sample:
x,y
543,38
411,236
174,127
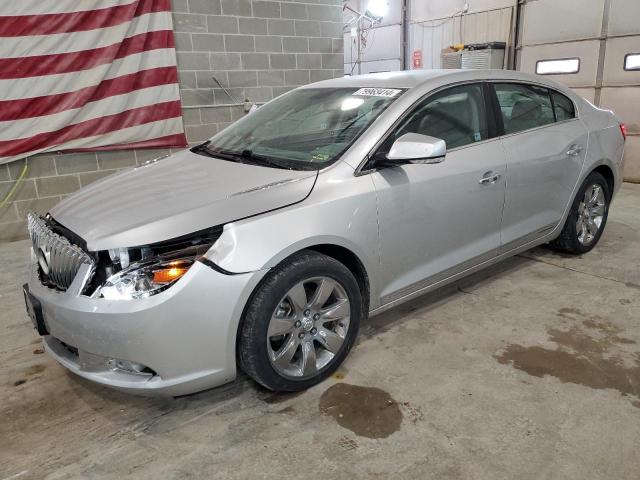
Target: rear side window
x,y
563,107
456,115
523,106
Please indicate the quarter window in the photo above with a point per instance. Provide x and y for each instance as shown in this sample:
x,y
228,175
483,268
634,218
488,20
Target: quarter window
x,y
558,67
563,107
456,115
523,106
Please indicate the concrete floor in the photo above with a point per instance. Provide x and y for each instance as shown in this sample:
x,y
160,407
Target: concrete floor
x,y
529,370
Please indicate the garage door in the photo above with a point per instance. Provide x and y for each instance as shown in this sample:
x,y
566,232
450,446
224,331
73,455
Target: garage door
x,y
592,46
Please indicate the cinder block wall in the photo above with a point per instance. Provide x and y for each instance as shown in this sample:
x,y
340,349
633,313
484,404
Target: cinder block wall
x,y
256,49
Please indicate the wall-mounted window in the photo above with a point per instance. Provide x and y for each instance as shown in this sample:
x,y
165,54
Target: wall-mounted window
x,y
558,67
632,61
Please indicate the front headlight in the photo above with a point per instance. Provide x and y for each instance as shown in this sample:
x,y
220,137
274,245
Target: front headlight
x,y
142,280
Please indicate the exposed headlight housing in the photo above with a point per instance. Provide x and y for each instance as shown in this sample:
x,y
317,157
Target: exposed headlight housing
x,y
146,270
142,280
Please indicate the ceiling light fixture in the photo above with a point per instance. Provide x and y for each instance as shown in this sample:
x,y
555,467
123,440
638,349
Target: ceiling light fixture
x,y
377,9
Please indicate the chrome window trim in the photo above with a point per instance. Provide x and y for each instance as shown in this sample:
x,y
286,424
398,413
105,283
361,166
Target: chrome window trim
x,y
541,127
360,170
542,85
551,89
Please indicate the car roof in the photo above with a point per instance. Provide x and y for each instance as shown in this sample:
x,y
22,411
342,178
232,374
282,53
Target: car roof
x,y
410,79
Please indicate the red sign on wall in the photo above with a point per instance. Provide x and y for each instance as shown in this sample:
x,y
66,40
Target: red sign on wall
x,y
417,59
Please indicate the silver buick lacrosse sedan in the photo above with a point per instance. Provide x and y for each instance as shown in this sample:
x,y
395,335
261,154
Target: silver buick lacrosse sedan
x,y
265,247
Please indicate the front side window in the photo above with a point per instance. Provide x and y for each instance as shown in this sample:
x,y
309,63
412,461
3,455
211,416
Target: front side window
x,y
523,106
563,107
456,115
303,130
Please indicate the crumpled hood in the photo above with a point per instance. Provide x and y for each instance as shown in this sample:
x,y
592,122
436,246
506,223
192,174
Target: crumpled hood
x,y
175,196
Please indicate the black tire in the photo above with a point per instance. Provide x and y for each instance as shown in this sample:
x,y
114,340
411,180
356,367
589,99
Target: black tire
x,y
253,352
567,241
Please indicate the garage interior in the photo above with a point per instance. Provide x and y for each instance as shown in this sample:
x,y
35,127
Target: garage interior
x,y
530,369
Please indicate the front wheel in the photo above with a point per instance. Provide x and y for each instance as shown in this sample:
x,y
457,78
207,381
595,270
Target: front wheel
x,y
301,323
587,217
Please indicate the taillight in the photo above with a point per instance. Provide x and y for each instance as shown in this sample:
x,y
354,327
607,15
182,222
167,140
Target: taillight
x,y
623,131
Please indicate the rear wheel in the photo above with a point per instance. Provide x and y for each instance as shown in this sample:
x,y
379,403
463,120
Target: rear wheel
x,y
587,217
301,323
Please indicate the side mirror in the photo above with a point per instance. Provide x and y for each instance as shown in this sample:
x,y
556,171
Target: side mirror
x,y
416,148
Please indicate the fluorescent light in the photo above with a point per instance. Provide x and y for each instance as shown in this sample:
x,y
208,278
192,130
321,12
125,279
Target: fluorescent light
x,y
554,67
378,8
632,61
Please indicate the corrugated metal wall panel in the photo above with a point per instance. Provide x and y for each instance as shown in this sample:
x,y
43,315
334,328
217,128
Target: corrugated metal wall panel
x,y
494,25
383,43
434,9
432,36
381,66
431,40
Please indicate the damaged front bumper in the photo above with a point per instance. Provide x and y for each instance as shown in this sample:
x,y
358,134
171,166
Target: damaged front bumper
x,y
179,341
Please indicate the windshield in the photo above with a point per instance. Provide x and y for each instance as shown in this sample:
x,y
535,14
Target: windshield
x,y
303,130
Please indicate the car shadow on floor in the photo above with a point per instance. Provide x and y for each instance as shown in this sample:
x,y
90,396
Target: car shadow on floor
x,y
435,299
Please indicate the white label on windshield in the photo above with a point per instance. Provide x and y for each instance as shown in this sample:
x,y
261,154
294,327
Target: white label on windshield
x,y
377,92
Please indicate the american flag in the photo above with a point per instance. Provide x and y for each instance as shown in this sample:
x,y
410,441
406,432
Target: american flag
x,y
87,75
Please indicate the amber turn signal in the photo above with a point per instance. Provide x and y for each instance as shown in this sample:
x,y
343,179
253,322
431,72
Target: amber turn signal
x,y
169,274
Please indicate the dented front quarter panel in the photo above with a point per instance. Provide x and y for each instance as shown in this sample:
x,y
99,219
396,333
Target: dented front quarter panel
x,y
341,211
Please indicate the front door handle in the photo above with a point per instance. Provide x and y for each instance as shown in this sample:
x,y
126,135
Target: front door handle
x,y
574,150
489,178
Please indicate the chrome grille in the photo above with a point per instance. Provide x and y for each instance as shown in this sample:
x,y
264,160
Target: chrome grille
x,y
59,260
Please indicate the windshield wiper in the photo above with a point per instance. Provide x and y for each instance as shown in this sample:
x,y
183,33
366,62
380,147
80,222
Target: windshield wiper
x,y
202,148
230,155
263,160
245,156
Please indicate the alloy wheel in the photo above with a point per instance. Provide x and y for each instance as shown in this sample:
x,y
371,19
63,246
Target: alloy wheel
x,y
591,212
308,327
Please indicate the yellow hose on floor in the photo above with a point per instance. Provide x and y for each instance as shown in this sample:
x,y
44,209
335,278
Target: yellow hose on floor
x,y
13,189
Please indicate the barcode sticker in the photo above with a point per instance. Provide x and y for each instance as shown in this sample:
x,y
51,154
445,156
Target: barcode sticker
x,y
377,92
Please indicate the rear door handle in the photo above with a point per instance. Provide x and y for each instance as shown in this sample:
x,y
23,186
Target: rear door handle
x,y
574,150
489,178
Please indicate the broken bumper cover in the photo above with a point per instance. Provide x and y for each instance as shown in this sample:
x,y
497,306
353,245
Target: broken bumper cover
x,y
179,341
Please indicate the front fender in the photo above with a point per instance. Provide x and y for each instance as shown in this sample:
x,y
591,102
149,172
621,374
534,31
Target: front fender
x,y
338,212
